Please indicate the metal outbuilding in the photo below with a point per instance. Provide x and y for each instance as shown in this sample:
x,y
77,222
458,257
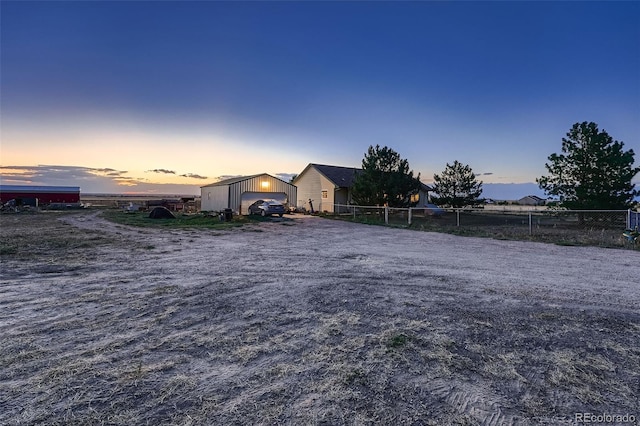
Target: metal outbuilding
x,y
239,193
40,195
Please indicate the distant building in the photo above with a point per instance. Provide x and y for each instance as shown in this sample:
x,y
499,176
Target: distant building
x,y
40,195
240,192
531,200
173,204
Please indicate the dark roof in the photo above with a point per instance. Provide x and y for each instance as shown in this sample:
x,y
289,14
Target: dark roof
x,y
425,187
342,177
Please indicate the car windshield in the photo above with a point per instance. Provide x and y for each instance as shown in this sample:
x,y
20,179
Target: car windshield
x,y
273,203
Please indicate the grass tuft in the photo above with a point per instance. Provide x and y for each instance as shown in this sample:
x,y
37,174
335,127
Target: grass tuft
x,y
397,341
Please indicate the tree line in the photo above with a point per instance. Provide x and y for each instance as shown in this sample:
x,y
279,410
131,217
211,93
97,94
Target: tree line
x,y
593,171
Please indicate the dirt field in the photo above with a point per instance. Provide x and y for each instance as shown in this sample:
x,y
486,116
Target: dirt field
x,y
309,321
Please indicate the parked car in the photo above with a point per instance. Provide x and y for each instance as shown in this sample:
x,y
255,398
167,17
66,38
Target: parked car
x,y
433,210
267,208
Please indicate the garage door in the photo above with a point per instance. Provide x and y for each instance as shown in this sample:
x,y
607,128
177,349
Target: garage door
x,y
249,198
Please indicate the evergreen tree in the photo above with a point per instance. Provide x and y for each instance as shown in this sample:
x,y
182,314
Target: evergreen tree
x,y
593,171
385,179
457,186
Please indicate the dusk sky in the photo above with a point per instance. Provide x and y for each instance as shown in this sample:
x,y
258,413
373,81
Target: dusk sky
x,y
168,96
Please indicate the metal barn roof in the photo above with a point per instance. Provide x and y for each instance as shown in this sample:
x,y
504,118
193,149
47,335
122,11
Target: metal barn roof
x,y
233,180
30,188
237,179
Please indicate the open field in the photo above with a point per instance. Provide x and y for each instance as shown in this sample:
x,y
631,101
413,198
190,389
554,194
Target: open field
x,y
305,320
576,228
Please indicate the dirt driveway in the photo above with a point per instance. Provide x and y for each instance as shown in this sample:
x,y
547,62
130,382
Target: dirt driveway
x,y
309,321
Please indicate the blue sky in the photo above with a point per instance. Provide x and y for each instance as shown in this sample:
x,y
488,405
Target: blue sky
x,y
163,96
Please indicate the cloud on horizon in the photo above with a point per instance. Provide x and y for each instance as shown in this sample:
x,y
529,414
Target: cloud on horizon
x,y
194,176
53,173
173,172
286,176
90,179
165,171
113,181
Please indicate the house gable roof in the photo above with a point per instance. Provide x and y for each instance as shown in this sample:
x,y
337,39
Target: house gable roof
x,y
341,177
425,187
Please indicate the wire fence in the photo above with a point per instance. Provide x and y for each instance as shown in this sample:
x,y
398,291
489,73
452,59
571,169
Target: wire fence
x,y
571,227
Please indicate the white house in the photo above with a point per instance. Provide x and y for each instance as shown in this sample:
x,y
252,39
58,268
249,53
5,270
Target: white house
x,y
324,186
240,192
327,185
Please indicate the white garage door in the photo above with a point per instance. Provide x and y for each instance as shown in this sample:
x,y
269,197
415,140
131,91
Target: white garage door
x,y
249,198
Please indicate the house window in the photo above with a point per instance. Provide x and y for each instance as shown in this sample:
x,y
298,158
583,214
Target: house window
x,y
415,198
325,194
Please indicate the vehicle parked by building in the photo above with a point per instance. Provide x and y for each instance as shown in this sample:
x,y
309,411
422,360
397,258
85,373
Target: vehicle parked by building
x,y
267,208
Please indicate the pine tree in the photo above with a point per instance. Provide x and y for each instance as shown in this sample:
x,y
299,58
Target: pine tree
x,y
457,186
385,179
593,171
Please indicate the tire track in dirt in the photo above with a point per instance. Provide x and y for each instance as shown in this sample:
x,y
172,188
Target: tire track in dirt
x,y
475,402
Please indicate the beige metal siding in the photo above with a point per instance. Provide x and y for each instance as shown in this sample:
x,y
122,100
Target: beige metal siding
x,y
214,198
219,197
261,183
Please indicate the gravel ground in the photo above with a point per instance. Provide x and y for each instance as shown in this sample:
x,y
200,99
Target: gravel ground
x,y
305,320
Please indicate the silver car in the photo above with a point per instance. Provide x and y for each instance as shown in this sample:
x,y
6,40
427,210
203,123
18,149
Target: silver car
x,y
267,208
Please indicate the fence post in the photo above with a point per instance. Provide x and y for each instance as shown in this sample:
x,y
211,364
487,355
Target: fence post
x,y
386,215
629,219
458,218
354,212
409,216
530,224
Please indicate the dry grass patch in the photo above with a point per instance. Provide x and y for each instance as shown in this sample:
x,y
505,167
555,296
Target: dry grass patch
x,y
213,328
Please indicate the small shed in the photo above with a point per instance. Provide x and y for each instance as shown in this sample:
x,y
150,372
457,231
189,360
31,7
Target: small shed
x,y
239,193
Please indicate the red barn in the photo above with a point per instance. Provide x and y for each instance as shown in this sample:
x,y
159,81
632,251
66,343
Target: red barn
x,y
44,194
